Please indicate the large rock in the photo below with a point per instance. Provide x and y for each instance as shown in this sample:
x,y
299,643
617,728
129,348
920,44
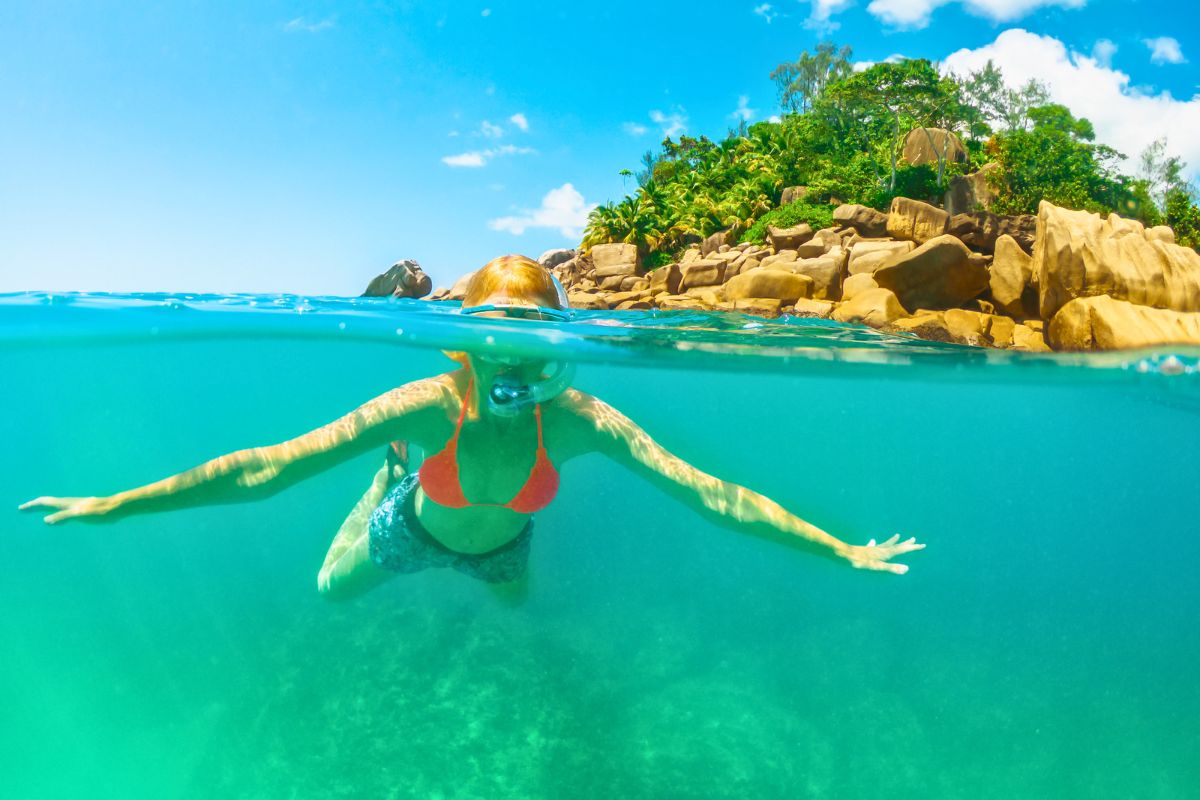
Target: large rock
x,y
1161,233
973,192
459,290
714,242
789,238
793,194
857,284
587,301
915,221
979,230
1011,279
778,284
1078,254
552,258
867,221
938,274
821,309
615,259
707,272
665,279
826,274
405,278
874,307
779,260
866,257
927,145
1102,323
956,325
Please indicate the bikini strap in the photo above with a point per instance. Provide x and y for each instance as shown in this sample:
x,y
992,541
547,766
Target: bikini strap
x,y
537,413
462,415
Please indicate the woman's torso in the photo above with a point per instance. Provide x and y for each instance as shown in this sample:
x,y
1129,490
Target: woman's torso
x,y
494,462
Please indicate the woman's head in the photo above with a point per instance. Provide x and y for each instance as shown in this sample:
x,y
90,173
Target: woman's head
x,y
515,280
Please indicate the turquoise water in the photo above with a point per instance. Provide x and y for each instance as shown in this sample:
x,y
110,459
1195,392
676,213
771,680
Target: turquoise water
x,y
1044,645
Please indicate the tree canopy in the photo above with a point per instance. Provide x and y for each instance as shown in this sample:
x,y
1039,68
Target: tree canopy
x,y
841,134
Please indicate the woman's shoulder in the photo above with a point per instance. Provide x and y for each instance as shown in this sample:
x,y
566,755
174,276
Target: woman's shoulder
x,y
437,391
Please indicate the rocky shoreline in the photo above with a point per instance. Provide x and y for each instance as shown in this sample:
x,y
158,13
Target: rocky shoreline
x,y
1061,280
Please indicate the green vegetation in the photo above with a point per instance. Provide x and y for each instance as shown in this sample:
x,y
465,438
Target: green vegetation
x,y
841,135
817,215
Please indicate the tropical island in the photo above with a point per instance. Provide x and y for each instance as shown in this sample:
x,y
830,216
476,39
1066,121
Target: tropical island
x,y
950,207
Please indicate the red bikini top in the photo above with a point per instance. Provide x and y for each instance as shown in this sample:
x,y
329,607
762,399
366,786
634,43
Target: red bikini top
x,y
439,474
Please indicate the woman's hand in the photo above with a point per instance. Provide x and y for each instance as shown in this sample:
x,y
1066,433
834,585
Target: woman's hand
x,y
877,556
71,507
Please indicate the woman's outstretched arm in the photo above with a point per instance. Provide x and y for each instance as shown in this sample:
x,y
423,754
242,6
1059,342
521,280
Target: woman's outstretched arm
x,y
724,503
260,471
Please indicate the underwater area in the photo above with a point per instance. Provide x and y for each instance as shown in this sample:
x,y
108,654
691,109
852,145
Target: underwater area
x,y
1043,645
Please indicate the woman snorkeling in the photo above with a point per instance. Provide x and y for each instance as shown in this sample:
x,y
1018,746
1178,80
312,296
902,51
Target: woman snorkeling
x,y
498,432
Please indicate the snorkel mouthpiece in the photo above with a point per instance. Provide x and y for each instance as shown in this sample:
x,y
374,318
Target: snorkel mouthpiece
x,y
508,397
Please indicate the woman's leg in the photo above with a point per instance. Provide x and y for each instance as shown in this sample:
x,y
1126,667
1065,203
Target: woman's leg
x,y
348,570
512,593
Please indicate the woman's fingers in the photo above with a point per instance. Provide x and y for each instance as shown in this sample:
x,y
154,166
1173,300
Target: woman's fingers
x,y
45,502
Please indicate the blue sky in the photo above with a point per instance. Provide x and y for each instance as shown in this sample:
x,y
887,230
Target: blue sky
x,y
303,147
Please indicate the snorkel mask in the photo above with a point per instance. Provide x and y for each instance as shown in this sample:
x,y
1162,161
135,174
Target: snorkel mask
x,y
509,394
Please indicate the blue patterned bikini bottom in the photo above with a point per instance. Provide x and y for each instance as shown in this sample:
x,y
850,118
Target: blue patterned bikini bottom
x,y
399,542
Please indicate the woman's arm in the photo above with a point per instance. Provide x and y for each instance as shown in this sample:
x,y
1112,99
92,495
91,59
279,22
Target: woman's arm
x,y
723,502
261,471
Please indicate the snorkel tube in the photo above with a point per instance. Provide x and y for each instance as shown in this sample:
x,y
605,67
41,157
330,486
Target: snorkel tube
x,y
510,395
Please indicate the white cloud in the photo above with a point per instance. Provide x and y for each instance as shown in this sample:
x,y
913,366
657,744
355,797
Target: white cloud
x,y
774,118
487,12
1165,50
1103,51
672,124
563,208
478,158
301,24
766,11
490,131
916,13
1125,117
473,159
822,10
520,121
743,110
634,129
894,58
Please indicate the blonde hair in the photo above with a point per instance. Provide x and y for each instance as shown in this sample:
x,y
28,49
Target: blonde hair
x,y
520,277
